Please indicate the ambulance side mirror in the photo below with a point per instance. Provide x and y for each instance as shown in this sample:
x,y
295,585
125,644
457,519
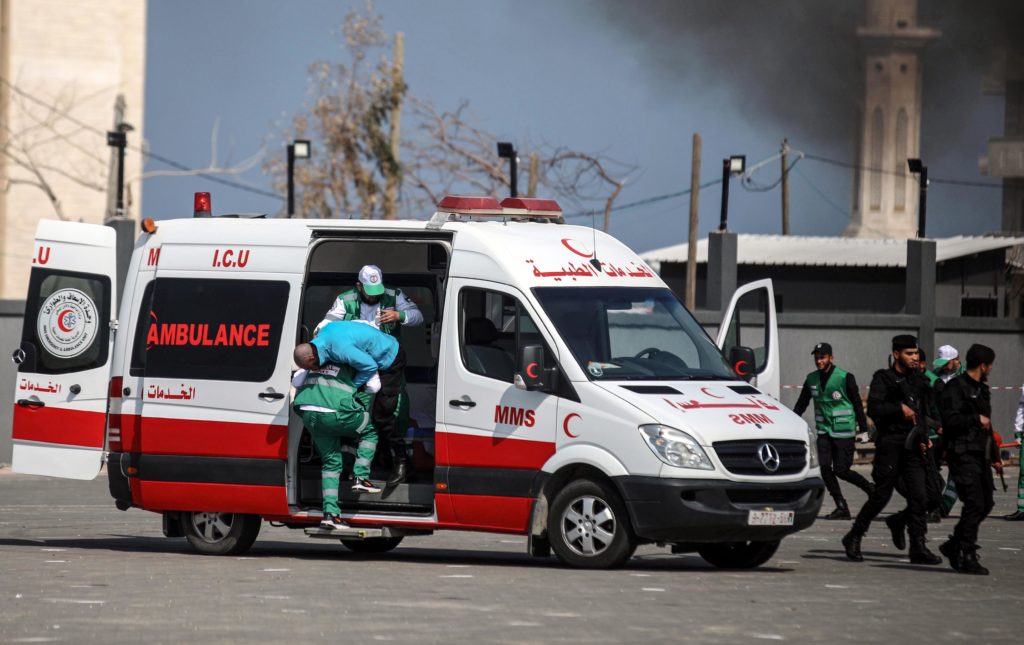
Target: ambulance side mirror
x,y
743,362
531,374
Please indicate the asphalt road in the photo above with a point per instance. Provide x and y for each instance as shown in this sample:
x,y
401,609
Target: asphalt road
x,y
75,569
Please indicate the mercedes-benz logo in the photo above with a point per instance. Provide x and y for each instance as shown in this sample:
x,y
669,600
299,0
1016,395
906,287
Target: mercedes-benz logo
x,y
769,457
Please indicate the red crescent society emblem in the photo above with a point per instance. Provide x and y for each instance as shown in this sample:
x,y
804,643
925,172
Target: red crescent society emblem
x,y
565,425
60,320
566,243
529,370
714,396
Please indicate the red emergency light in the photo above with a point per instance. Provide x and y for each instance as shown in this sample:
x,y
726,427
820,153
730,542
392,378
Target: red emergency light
x,y
202,205
469,205
531,206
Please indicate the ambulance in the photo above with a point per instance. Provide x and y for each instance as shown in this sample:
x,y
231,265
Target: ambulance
x,y
558,389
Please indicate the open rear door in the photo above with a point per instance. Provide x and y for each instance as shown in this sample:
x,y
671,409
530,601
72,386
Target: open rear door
x,y
751,321
60,396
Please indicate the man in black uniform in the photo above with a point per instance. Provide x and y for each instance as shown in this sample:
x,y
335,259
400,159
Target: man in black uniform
x,y
898,399
967,429
838,413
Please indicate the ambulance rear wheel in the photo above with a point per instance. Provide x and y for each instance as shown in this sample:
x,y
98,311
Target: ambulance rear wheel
x,y
739,555
588,526
372,545
220,533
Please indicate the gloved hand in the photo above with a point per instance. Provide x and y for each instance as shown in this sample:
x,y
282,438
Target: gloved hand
x,y
373,385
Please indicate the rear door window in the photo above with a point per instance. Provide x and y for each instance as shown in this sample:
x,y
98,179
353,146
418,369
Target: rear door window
x,y
66,326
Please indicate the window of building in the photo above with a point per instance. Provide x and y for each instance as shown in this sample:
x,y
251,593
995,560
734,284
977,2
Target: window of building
x,y
900,162
875,177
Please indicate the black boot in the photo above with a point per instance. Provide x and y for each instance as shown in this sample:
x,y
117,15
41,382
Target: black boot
x,y
969,561
919,553
934,517
1017,516
842,511
951,549
898,527
399,469
851,542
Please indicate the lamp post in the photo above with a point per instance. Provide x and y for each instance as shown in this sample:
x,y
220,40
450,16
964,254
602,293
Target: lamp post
x,y
119,139
734,165
915,166
507,151
298,149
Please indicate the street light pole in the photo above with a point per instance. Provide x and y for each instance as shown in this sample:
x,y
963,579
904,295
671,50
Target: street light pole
x,y
507,151
119,139
734,165
298,149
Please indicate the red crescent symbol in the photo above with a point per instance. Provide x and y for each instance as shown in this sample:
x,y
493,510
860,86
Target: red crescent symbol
x,y
529,370
714,396
565,425
60,320
565,243
740,370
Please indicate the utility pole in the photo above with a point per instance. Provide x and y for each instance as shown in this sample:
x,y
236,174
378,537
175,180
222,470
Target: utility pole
x,y
785,187
391,187
531,183
117,138
691,247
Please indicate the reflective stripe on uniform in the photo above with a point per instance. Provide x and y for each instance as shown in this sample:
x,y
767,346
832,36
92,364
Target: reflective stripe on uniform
x,y
312,379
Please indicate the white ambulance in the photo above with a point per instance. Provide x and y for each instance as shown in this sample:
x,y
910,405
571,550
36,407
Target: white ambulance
x,y
558,388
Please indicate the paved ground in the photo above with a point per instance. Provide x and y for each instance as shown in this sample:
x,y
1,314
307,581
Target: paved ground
x,y
73,568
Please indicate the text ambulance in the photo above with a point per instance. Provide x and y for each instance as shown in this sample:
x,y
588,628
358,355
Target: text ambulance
x,y
558,389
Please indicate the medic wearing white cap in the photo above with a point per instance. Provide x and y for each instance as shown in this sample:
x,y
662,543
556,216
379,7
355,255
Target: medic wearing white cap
x,y
384,307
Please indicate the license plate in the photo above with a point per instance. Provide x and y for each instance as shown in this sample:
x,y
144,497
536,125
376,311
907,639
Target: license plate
x,y
770,518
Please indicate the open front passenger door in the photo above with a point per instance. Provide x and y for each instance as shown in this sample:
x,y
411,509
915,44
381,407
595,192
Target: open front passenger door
x,y
751,321
60,397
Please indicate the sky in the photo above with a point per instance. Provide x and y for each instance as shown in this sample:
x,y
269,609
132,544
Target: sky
x,y
562,73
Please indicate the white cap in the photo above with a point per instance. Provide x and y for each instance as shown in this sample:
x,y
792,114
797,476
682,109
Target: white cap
x,y
946,354
372,279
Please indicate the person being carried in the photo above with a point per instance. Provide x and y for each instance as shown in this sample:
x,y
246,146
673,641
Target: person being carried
x,y
367,351
332,411
838,412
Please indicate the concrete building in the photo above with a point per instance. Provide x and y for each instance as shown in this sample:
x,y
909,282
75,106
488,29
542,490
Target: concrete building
x,y
884,203
1005,154
63,65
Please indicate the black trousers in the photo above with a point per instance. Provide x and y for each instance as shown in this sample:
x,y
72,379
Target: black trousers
x,y
973,476
385,402
893,462
836,458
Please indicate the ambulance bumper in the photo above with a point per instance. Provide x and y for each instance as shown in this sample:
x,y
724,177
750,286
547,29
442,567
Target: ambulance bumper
x,y
711,510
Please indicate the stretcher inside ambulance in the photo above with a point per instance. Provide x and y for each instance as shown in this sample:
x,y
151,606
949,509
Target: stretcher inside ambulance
x,y
557,388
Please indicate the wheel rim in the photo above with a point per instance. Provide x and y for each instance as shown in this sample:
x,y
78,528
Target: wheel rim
x,y
588,526
212,527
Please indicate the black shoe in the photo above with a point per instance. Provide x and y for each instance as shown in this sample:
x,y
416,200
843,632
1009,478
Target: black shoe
x,y
934,517
840,513
333,523
951,549
898,528
919,553
1017,516
969,562
399,473
364,486
851,542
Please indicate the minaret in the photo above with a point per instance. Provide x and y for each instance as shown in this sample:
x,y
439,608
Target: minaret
x,y
885,193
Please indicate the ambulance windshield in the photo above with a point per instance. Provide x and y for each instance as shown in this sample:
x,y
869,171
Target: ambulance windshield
x,y
624,333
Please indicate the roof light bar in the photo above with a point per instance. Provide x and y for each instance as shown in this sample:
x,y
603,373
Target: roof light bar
x,y
531,206
202,205
470,205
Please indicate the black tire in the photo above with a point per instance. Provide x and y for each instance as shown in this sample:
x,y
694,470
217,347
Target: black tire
x,y
372,545
588,526
739,555
220,533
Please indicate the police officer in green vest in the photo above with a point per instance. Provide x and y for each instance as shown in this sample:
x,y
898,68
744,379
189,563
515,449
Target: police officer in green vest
x,y
388,310
838,413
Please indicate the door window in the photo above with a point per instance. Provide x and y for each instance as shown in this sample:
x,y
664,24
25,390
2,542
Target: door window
x,y
749,326
213,329
493,329
67,327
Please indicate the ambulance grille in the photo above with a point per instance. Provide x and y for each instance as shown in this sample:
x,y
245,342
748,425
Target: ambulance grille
x,y
741,457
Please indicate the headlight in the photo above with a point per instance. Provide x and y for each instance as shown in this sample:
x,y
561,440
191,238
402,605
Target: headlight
x,y
675,448
812,447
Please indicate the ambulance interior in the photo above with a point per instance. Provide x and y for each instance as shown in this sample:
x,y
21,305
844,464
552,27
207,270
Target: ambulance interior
x,y
419,269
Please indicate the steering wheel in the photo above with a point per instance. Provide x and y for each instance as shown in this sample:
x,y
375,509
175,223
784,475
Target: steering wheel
x,y
651,351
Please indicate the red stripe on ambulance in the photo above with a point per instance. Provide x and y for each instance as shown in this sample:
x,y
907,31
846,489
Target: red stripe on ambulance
x,y
59,425
494,452
223,498
159,436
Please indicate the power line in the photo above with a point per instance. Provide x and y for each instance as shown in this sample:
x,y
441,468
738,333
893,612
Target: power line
x,y
932,180
643,202
145,153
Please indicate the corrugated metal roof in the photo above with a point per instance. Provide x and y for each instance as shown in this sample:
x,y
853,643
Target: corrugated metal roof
x,y
799,250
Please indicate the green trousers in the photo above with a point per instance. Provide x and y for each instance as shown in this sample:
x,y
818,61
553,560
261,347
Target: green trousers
x,y
329,430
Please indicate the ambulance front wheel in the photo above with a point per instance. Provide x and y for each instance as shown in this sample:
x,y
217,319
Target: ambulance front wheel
x,y
588,526
220,533
739,555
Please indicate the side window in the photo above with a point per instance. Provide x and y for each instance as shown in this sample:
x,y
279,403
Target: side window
x,y
749,326
214,329
66,326
138,362
493,328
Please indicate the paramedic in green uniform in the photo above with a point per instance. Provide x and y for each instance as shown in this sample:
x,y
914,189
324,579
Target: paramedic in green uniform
x,y
334,411
388,310
838,413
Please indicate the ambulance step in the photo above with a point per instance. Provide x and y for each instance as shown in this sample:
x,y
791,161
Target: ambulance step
x,y
358,533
